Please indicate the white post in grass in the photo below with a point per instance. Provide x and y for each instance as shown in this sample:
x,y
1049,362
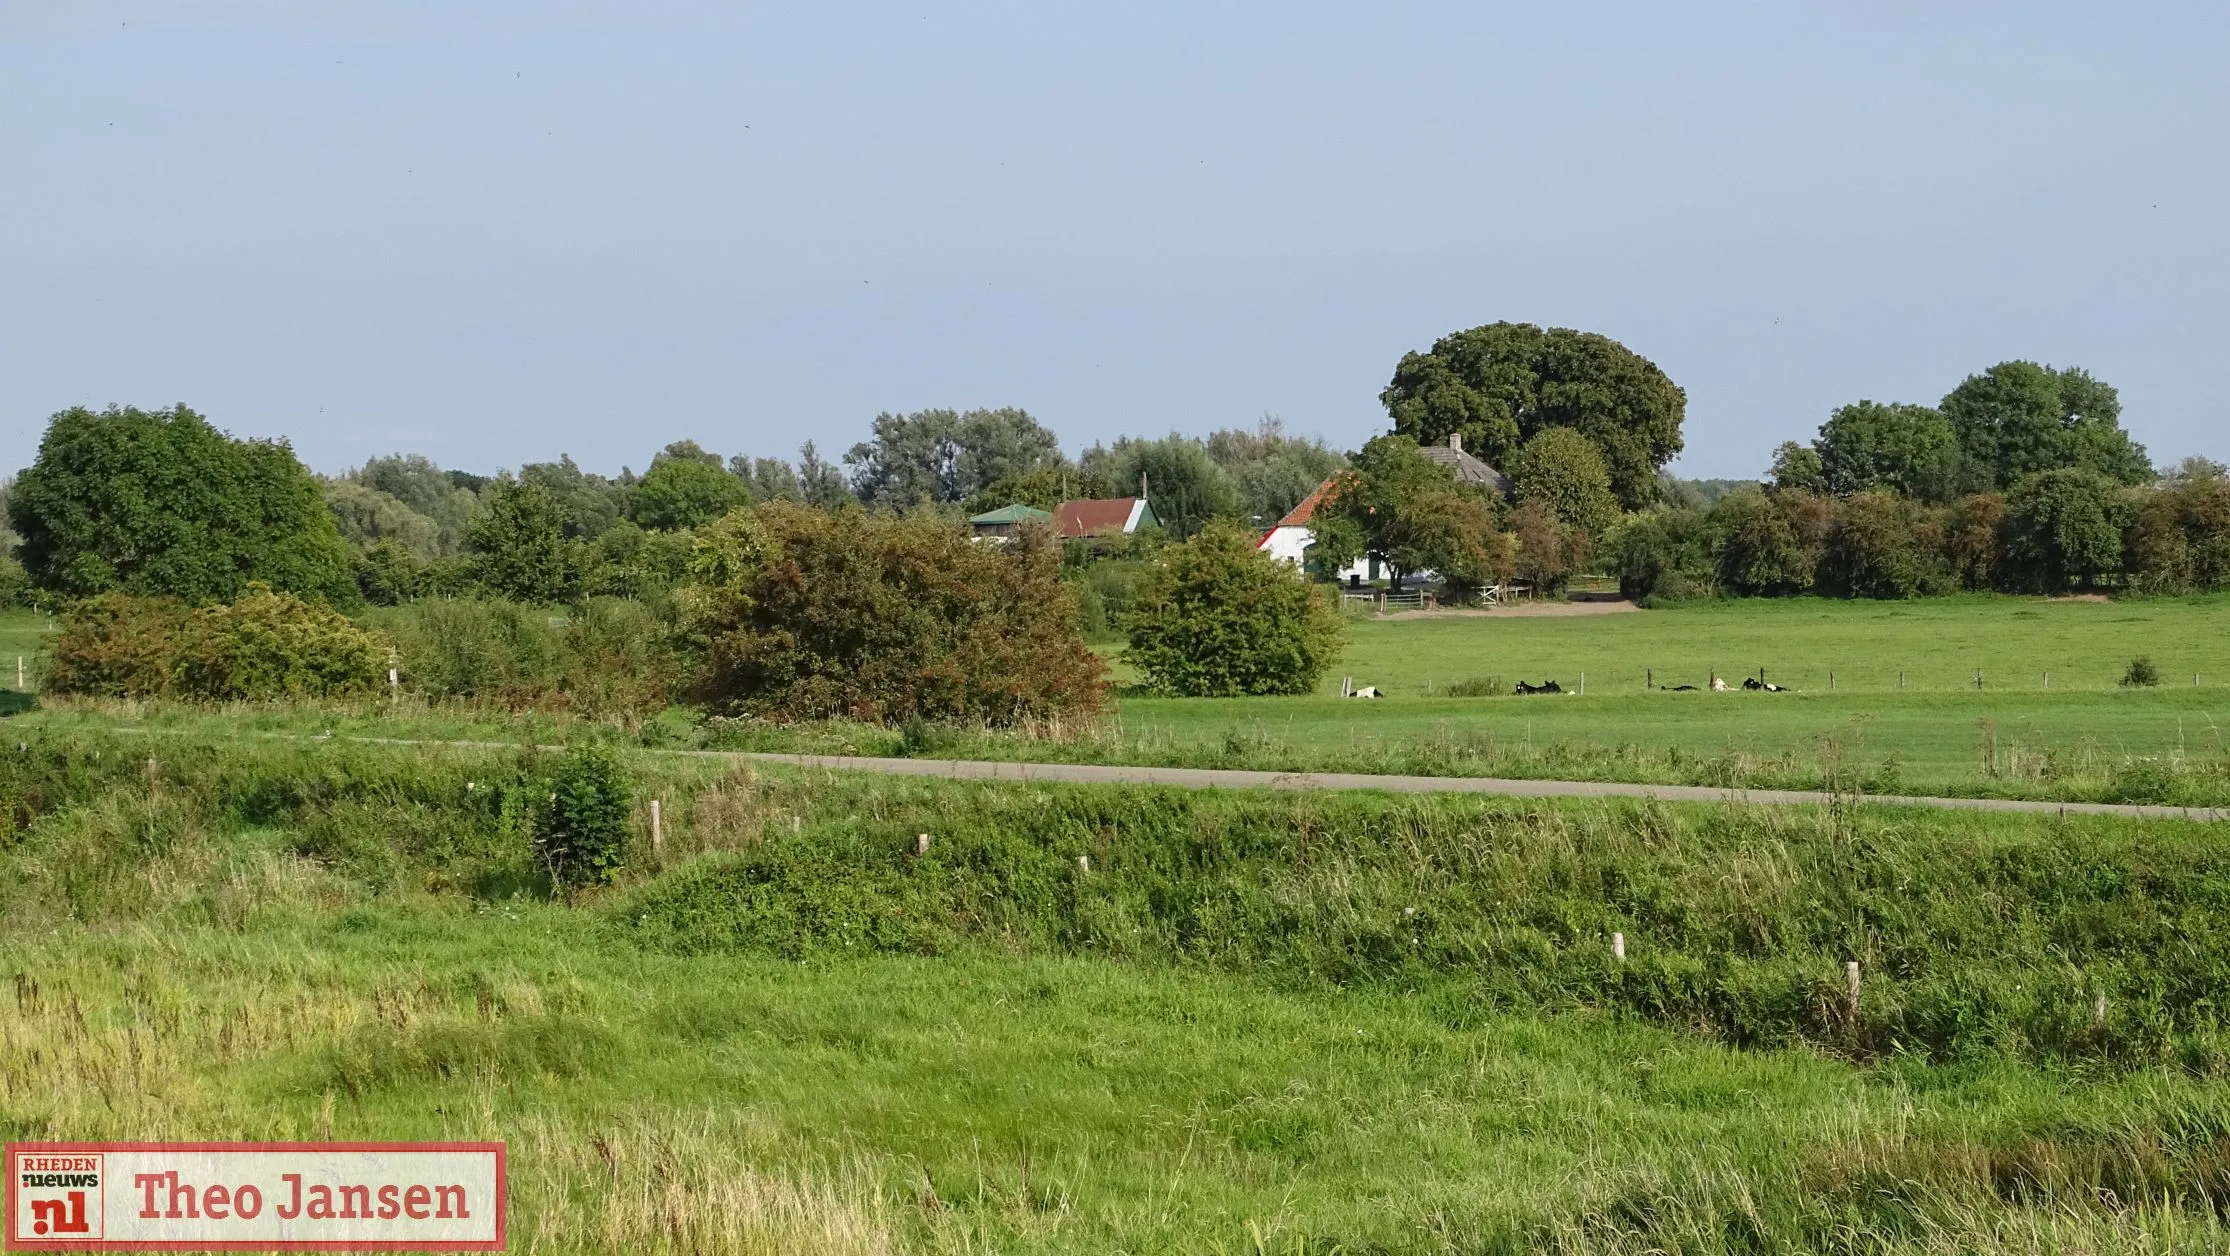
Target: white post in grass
x,y
2098,1011
657,829
1084,863
1583,684
2047,680
20,689
921,843
394,683
1850,979
1618,947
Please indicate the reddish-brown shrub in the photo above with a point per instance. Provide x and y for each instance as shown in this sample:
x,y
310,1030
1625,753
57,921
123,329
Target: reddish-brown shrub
x,y
806,614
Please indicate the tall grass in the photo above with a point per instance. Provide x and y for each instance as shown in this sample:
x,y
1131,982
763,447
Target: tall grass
x,y
1248,1022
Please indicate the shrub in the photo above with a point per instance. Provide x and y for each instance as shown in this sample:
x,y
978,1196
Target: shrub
x,y
263,645
2180,535
117,645
1220,617
1664,555
2063,530
1477,687
619,659
478,648
1973,540
1106,589
1549,550
1872,549
1761,554
387,574
2141,674
806,614
15,583
582,830
266,645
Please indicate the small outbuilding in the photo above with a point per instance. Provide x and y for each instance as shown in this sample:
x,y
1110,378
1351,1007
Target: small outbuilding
x,y
1006,520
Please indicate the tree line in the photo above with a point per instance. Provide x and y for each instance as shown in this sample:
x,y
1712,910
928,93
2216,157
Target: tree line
x,y
2021,478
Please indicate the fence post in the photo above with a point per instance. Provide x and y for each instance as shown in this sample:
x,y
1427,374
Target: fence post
x,y
20,689
1978,678
1900,680
1618,947
1649,679
657,829
1084,863
2047,680
1583,684
921,843
1850,981
1831,680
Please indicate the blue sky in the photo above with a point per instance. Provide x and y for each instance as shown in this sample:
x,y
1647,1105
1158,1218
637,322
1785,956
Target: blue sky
x,y
594,228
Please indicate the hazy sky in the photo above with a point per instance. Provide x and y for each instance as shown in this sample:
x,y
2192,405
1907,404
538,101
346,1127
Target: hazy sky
x,y
594,228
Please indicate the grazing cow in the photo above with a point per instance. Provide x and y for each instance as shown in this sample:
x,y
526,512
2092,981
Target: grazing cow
x,y
1367,691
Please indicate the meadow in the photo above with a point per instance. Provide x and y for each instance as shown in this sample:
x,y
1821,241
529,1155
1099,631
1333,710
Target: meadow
x,y
1901,713
1245,1023
21,634
1883,695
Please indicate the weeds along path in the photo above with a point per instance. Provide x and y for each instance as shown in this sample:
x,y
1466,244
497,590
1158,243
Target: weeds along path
x,y
1230,778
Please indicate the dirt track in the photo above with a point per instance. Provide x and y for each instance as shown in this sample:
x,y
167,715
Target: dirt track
x,y
1522,610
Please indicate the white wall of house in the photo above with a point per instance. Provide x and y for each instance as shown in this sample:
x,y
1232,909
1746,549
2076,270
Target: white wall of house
x,y
1291,544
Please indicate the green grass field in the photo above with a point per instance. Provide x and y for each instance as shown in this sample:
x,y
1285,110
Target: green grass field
x,y
21,636
1937,644
1255,1023
2050,720
2083,737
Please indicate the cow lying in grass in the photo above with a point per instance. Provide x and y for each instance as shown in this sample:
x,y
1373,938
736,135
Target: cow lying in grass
x,y
1752,682
1544,687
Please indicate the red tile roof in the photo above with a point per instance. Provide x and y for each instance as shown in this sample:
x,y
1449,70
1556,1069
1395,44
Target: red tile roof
x,y
1085,518
1299,516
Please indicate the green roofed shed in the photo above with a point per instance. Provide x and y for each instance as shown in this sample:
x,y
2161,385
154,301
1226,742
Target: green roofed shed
x,y
1004,520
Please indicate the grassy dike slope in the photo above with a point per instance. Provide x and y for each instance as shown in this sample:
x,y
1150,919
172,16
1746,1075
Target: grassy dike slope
x,y
1255,1023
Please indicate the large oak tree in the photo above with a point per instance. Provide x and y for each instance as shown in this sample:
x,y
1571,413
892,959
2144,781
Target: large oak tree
x,y
1499,385
161,503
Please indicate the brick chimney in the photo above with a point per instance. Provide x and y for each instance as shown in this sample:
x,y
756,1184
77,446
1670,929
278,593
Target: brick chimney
x,y
1455,441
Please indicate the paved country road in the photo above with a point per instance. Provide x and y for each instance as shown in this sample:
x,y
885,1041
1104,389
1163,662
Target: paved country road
x,y
1221,778
1227,778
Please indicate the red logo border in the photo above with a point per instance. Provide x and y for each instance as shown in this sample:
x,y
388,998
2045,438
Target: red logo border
x,y
13,1150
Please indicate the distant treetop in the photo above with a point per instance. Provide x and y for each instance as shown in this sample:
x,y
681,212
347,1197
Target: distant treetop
x,y
1500,385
